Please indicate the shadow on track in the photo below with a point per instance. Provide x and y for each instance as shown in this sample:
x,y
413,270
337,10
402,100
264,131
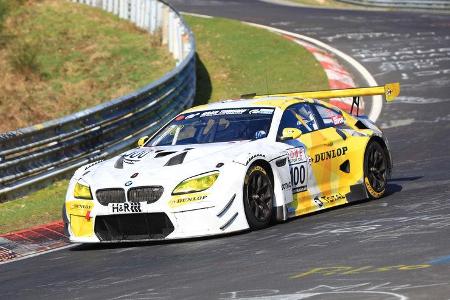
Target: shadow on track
x,y
412,178
392,188
127,244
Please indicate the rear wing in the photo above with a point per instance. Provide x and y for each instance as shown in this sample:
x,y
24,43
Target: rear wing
x,y
390,92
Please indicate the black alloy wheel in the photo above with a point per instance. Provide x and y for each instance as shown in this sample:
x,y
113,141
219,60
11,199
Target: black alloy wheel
x,y
258,197
375,170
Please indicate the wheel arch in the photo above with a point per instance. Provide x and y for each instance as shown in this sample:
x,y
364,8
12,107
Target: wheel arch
x,y
281,199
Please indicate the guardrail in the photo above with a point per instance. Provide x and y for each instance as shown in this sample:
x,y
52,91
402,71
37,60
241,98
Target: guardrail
x,y
419,4
43,151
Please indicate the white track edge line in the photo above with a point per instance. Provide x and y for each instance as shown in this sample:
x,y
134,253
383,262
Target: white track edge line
x,y
377,104
196,15
377,101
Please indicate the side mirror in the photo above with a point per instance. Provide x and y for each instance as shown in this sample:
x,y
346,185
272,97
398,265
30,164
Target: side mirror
x,y
142,141
290,134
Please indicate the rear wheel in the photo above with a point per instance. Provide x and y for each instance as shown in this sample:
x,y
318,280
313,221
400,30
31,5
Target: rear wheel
x,y
258,197
375,170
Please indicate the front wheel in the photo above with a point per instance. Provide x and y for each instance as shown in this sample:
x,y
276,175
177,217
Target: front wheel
x,y
258,197
375,170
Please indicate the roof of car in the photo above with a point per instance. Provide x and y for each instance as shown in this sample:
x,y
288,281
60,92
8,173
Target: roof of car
x,y
281,102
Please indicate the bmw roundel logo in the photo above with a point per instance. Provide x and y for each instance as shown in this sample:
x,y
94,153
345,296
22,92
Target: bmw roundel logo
x,y
128,183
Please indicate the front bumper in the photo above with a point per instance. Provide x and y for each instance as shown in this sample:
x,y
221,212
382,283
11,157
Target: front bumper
x,y
148,225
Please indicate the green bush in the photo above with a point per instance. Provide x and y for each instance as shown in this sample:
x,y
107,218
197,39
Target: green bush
x,y
24,58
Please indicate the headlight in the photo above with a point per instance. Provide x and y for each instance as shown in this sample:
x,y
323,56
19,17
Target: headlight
x,y
82,191
196,184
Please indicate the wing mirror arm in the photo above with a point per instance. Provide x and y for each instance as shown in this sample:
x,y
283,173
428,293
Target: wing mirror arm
x,y
141,142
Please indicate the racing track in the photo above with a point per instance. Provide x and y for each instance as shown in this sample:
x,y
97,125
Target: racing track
x,y
394,248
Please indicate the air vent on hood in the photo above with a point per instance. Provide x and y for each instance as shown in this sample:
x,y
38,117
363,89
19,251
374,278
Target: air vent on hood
x,y
162,154
176,160
119,163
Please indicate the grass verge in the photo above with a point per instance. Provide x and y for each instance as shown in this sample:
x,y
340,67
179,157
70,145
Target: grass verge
x,y
233,59
242,59
37,208
59,57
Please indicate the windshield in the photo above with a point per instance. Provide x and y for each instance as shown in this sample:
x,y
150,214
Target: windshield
x,y
215,126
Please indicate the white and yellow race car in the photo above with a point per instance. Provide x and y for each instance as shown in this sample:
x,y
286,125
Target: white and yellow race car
x,y
231,166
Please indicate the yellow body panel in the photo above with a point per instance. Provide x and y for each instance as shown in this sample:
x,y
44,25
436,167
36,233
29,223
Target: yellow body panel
x,y
80,225
328,185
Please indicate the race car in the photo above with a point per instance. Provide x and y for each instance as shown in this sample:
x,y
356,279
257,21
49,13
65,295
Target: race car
x,y
231,166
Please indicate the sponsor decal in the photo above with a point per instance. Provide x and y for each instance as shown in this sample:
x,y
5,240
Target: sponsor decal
x,y
224,112
92,164
253,157
330,154
317,202
299,178
80,206
133,207
253,169
298,163
371,191
337,120
296,155
134,175
183,200
191,116
329,200
286,186
135,156
262,111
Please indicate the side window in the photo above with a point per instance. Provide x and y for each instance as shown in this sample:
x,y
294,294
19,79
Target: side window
x,y
299,116
186,135
330,117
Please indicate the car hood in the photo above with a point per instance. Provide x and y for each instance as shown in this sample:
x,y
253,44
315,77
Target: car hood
x,y
163,163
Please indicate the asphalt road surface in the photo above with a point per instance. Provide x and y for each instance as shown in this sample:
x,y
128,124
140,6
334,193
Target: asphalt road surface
x,y
394,248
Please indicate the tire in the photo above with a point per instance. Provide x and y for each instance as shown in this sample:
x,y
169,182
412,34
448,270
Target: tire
x,y
375,170
65,220
258,197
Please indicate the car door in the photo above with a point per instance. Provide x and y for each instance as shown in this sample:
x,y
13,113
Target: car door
x,y
301,153
331,156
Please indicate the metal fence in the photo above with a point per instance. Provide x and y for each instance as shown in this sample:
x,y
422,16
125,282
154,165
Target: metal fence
x,y
46,150
419,4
